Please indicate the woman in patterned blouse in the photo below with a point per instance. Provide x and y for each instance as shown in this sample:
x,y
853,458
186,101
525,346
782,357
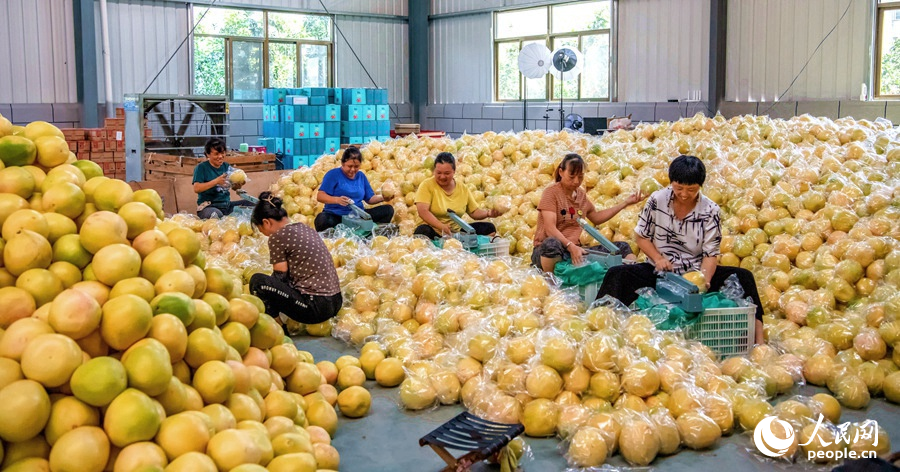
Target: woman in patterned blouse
x,y
679,231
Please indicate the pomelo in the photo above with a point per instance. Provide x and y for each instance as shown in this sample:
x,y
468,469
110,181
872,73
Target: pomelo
x,y
90,169
51,150
140,456
135,286
237,336
233,447
25,219
42,284
38,174
148,366
62,173
183,433
66,272
219,305
68,248
112,195
18,181
219,281
26,250
204,316
149,241
354,401
138,217
174,303
295,461
185,242
63,198
9,203
199,281
65,354
25,409
98,381
205,345
37,129
101,229
116,262
6,126
321,413
192,462
17,151
19,334
131,417
59,226
151,198
175,281
214,381
74,313
160,261
96,290
66,414
91,185
126,320
18,304
171,332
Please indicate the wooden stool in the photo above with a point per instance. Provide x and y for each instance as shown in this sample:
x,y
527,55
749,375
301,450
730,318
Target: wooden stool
x,y
467,432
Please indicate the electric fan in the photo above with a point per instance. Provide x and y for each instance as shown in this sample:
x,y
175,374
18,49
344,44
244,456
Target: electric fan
x,y
574,122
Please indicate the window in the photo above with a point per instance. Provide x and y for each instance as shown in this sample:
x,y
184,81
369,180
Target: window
x,y
887,59
582,25
237,53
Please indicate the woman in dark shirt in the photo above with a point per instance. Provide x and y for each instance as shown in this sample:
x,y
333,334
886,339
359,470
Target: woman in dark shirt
x,y
304,284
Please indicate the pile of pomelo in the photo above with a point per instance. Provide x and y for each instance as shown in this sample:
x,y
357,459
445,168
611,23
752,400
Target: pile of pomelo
x,y
120,350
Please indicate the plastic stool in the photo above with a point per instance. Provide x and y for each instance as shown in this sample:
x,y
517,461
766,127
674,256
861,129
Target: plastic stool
x,y
467,432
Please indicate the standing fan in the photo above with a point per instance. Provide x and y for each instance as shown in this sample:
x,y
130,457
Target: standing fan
x,y
567,64
534,63
574,122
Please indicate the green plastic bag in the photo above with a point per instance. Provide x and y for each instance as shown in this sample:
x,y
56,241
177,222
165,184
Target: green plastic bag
x,y
668,317
585,274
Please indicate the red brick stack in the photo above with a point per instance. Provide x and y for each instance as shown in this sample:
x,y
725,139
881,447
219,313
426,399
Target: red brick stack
x,y
105,146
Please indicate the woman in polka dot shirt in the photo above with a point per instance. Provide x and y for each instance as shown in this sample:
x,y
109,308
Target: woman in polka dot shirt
x,y
304,285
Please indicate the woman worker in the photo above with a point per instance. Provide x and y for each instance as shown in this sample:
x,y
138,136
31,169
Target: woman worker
x,y
211,183
344,185
441,193
304,284
557,236
679,231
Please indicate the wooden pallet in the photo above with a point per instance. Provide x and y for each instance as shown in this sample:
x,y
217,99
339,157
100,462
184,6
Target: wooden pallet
x,y
164,166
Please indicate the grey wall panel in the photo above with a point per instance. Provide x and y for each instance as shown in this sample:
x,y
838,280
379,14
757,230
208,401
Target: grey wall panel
x,y
142,36
378,7
461,68
439,7
769,41
663,50
37,52
383,48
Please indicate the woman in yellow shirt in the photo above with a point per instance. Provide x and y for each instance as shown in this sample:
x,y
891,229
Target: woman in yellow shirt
x,y
441,193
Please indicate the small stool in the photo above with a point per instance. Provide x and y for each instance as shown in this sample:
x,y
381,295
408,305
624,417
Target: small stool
x,y
467,432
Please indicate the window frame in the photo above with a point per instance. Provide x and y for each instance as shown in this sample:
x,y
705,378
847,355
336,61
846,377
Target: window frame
x,y
549,38
265,40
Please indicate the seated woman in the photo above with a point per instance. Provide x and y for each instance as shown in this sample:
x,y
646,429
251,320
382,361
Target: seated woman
x,y
211,184
557,236
441,193
679,231
345,185
304,285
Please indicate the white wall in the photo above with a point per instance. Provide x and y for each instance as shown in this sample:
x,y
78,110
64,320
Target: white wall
x,y
143,34
379,7
461,68
770,40
37,52
663,50
383,47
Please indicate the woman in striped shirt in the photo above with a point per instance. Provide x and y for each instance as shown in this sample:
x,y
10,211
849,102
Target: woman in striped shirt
x,y
679,231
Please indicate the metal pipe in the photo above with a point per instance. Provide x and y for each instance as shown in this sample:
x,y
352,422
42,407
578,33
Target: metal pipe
x,y
107,68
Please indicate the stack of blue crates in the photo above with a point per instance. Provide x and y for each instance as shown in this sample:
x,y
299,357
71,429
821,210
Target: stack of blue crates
x,y
302,124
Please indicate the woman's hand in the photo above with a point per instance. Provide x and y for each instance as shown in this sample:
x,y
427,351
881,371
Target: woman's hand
x,y
577,253
663,264
344,201
445,229
635,198
220,180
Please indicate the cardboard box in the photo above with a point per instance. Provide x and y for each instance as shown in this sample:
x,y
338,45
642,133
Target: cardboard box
x,y
332,113
369,112
317,130
289,146
110,146
382,112
351,112
356,96
98,146
301,130
97,134
120,113
383,128
332,145
332,129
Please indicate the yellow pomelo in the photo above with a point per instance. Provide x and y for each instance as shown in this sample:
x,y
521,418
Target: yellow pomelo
x,y
174,303
204,316
171,332
389,372
321,413
284,359
237,336
244,407
369,360
115,263
17,181
90,186
89,169
98,381
131,417
327,457
140,456
64,198
16,150
160,261
219,281
192,462
62,173
293,441
89,209
51,150
138,216
38,174
42,284
148,366
25,409
151,198
18,303
214,381
243,312
199,281
59,226
93,345
280,403
186,242
183,433
66,414
27,456
149,241
35,202
304,380
219,305
126,320
66,272
221,417
175,281
19,334
192,399
135,286
26,250
205,345
6,279
66,355
22,220
354,402
174,398
266,333
74,313
96,290
102,229
293,462
111,195
349,376
84,449
37,129
6,129
68,248
10,203
233,447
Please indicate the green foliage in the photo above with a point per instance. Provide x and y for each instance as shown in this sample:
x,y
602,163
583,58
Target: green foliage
x,y
890,70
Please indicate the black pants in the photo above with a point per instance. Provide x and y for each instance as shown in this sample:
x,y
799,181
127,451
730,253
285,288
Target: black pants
x,y
280,296
224,210
623,281
380,214
481,228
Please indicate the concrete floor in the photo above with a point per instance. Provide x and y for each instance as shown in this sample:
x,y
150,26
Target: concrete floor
x,y
387,439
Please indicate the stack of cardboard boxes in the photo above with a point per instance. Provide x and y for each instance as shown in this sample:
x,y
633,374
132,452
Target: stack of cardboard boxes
x,y
302,124
105,146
